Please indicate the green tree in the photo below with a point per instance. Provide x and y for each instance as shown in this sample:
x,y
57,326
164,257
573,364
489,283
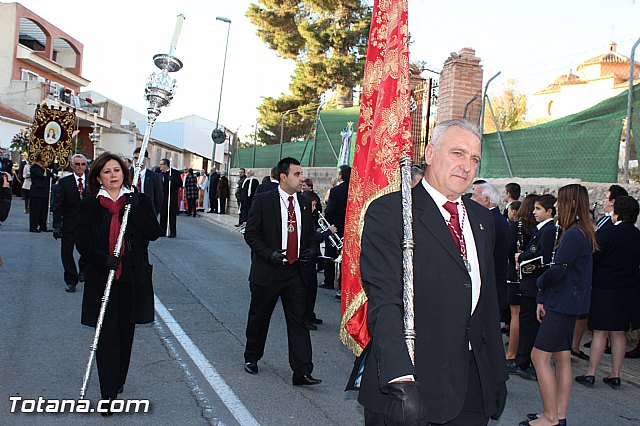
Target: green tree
x,y
509,108
328,40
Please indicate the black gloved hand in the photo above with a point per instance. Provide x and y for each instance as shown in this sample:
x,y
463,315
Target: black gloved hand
x,y
112,262
132,199
307,255
57,232
278,258
404,405
500,393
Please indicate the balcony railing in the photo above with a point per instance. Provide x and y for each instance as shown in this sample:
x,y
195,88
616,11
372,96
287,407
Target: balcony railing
x,y
67,97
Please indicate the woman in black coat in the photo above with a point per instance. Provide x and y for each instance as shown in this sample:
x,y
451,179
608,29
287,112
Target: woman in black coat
x,y
616,282
131,298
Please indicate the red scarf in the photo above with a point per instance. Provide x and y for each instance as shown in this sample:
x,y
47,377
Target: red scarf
x,y
114,208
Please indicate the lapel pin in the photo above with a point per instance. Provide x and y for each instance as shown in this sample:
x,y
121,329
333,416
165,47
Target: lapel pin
x,y
481,227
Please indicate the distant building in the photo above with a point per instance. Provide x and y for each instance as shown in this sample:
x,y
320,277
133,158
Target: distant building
x,y
594,80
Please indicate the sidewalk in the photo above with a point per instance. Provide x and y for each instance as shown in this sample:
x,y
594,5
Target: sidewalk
x,y
630,368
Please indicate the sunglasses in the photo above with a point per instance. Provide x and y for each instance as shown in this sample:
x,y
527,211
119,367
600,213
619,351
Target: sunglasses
x,y
80,164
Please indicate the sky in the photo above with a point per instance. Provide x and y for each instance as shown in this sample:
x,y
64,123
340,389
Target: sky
x,y
532,42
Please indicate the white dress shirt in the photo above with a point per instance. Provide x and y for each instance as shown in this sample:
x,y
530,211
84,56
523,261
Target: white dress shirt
x,y
284,214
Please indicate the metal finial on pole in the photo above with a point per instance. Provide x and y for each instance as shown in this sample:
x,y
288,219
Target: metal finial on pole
x,y
158,92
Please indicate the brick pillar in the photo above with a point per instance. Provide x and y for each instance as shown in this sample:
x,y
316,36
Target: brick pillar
x,y
460,81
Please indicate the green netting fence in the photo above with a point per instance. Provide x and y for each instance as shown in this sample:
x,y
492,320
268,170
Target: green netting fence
x,y
584,145
318,152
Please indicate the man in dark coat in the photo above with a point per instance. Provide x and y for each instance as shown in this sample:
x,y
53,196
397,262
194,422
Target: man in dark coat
x,y
223,192
150,183
214,178
171,181
335,214
271,185
488,196
40,190
459,373
66,207
241,177
280,233
249,187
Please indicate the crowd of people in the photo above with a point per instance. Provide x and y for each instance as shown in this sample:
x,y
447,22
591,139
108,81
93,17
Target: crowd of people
x,y
544,267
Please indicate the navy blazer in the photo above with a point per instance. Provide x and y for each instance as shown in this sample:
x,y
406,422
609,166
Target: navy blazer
x,y
501,255
616,264
566,286
541,244
336,210
66,202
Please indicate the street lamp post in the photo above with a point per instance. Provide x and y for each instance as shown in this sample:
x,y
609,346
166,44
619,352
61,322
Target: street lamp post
x,y
224,63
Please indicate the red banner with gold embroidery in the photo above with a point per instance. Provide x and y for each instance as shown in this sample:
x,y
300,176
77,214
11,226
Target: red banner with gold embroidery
x,y
384,136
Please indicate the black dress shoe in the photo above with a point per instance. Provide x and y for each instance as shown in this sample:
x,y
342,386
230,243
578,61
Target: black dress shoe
x,y
580,354
317,321
311,326
70,289
34,230
327,286
81,277
171,236
534,416
614,382
587,381
251,367
305,380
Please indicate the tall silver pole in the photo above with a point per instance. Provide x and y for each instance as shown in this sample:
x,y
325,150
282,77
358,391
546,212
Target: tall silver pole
x,y
627,148
159,92
224,64
407,256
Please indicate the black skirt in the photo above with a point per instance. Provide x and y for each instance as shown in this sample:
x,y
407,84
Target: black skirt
x,y
513,294
614,309
556,332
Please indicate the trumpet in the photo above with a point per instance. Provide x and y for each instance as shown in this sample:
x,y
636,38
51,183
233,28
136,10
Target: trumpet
x,y
334,239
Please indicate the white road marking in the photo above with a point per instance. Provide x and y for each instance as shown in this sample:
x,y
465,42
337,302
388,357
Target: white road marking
x,y
228,397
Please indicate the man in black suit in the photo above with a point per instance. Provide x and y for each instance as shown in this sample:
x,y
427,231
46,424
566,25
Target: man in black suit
x,y
335,213
249,187
269,186
214,178
39,195
171,181
488,196
609,199
66,207
511,193
459,373
280,233
149,183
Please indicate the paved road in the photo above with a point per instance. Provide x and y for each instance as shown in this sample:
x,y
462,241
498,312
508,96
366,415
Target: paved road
x,y
189,363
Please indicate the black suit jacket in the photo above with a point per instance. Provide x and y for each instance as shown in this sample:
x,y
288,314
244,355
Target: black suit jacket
x,y
66,203
337,206
266,187
263,233
501,255
92,241
40,179
153,188
616,263
176,182
541,244
444,325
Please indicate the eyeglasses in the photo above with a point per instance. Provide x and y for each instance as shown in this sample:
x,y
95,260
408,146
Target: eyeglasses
x,y
80,164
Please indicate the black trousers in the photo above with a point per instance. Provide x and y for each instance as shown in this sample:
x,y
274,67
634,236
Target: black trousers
x,y
529,326
213,203
329,266
223,205
68,262
38,213
172,224
114,347
290,288
191,206
312,291
472,413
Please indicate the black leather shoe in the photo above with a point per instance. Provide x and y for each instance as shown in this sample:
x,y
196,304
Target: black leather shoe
x,y
81,277
580,355
171,236
34,230
251,367
614,382
305,380
527,373
587,381
327,286
311,326
534,416
70,289
317,321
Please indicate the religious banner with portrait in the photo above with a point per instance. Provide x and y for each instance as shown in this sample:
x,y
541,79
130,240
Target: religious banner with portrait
x,y
51,134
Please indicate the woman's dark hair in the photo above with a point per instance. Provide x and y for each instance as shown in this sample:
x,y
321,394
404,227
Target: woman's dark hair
x,y
98,164
547,202
626,208
573,210
266,179
190,171
525,213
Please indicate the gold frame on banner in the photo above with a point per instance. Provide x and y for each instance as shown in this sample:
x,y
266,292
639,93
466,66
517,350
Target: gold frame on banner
x,y
51,134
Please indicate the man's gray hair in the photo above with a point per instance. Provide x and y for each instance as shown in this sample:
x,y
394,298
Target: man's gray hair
x,y
441,128
78,156
489,190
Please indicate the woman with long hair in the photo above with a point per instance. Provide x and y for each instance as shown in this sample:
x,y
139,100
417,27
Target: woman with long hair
x,y
565,290
616,282
131,298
